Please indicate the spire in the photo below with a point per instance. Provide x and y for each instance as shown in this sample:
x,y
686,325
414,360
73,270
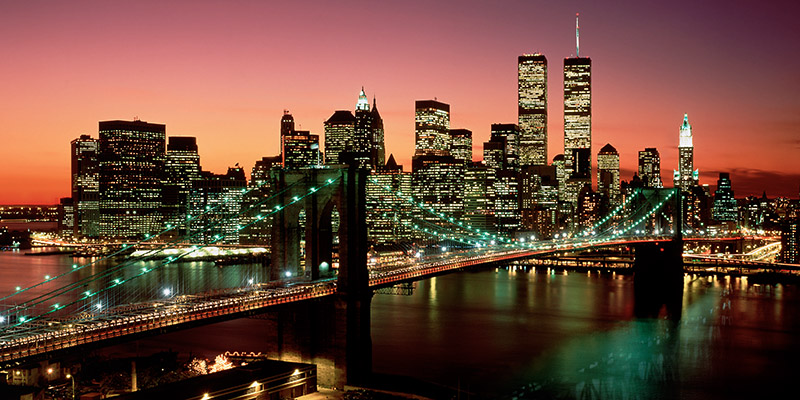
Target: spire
x,y
577,38
374,104
363,103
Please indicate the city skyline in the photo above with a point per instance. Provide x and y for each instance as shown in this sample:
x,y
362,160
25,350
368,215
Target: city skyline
x,y
231,98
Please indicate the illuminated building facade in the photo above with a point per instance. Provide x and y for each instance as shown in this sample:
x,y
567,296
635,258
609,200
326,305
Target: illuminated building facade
x,y
479,196
608,173
725,208
532,109
590,207
506,204
66,216
650,168
686,176
339,131
438,182
131,161
790,241
432,128
85,186
362,134
181,168
539,200
221,195
300,149
578,119
461,148
385,211
260,188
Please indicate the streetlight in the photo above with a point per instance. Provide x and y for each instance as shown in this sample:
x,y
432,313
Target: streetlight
x,y
72,378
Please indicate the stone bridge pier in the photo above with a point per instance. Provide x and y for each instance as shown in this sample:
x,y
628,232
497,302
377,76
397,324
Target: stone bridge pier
x,y
334,332
658,272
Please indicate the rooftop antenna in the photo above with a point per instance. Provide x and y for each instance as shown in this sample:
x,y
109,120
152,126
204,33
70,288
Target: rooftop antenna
x,y
577,37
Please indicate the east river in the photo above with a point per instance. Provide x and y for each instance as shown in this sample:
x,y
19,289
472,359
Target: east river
x,y
505,333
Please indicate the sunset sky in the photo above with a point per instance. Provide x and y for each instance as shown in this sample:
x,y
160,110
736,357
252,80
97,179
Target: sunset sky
x,y
224,71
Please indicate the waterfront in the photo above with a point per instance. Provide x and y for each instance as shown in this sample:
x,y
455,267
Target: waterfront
x,y
505,332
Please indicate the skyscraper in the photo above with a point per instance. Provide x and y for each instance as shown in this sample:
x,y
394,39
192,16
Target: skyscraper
x,y
532,109
432,128
339,131
85,186
223,194
650,168
287,123
385,211
686,176
378,146
301,150
725,208
577,125
362,134
510,135
461,148
181,168
131,155
608,173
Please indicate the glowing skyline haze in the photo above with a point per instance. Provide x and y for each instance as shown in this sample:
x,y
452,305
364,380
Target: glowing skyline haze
x,y
224,71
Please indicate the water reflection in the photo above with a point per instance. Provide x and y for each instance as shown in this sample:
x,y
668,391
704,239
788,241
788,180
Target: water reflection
x,y
521,334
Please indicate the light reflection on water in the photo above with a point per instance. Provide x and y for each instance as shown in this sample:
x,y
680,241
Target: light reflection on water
x,y
506,334
17,269
518,333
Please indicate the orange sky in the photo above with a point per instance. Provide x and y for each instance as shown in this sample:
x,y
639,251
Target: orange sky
x,y
224,71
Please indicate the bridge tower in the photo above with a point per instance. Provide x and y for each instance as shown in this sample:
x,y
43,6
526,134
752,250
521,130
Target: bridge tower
x,y
319,192
658,270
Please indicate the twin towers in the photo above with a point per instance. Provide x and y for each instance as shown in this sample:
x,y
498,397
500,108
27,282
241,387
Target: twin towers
x,y
532,111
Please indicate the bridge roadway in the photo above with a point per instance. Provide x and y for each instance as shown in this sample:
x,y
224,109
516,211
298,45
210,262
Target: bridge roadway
x,y
35,339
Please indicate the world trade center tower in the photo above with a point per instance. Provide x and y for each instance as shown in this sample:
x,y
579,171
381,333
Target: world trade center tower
x,y
532,93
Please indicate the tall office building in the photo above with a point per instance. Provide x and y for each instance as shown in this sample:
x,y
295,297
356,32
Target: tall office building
x,y
650,168
386,213
262,188
578,117
299,149
223,194
725,208
181,168
438,182
608,173
339,131
287,123
432,128
479,196
377,143
362,135
532,109
686,176
131,155
510,135
85,186
790,240
461,148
